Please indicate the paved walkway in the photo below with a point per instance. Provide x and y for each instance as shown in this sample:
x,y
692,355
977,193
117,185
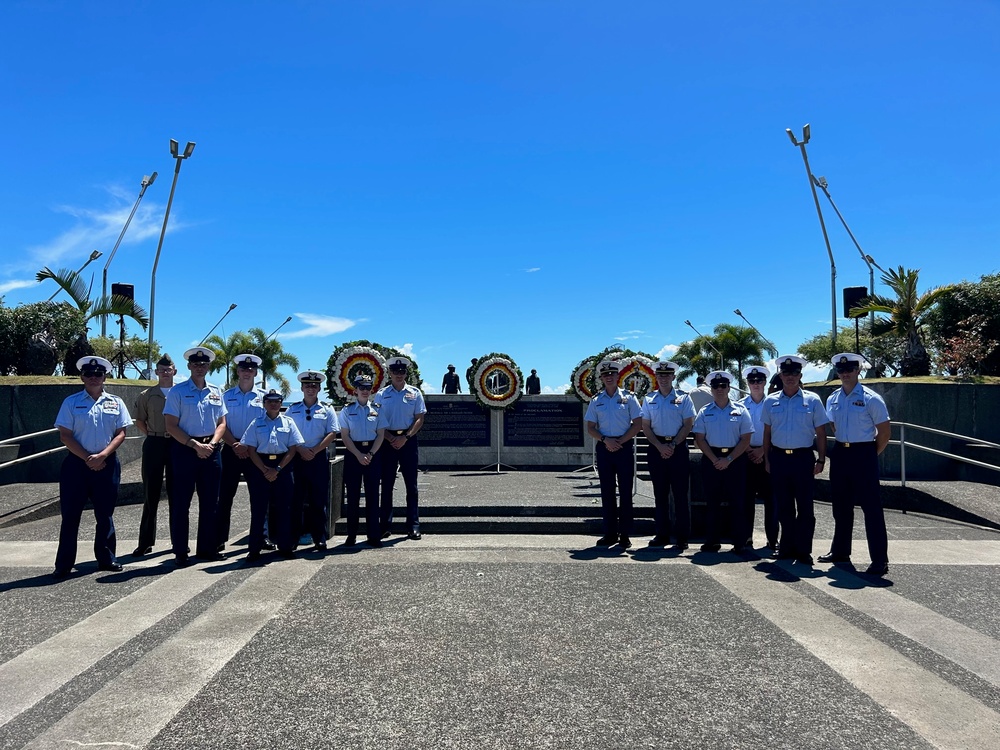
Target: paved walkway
x,y
514,640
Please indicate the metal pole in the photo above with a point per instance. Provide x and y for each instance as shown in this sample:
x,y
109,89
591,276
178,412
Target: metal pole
x,y
146,182
93,256
205,338
159,245
707,341
902,455
766,339
826,238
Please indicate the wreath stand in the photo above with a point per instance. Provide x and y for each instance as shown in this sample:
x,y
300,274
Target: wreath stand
x,y
498,464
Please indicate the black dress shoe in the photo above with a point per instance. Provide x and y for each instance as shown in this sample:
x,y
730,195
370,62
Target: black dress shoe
x,y
784,556
805,560
376,543
220,547
386,534
878,569
711,547
772,545
680,546
660,540
269,545
62,572
829,557
350,541
415,536
288,554
738,550
211,557
111,567
182,561
319,547
253,556
625,542
141,551
607,541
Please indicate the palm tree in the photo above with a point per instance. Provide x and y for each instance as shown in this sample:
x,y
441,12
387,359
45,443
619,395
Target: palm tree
x,y
226,350
272,356
113,304
695,358
906,316
740,346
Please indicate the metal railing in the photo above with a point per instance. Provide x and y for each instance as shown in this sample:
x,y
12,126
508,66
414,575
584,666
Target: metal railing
x,y
902,443
41,454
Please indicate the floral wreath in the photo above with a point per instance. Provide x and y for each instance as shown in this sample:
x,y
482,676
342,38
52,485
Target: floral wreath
x,y
640,369
491,364
361,358
580,380
612,352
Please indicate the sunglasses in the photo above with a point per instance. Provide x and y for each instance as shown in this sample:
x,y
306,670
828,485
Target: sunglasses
x,y
310,385
719,386
846,368
92,373
364,387
756,379
246,367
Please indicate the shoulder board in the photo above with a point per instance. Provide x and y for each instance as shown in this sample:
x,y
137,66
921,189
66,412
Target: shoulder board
x,y
594,398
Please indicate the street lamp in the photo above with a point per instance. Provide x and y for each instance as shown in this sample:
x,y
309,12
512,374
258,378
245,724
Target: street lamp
x,y
205,337
707,341
766,339
819,212
147,180
871,260
822,184
188,150
263,375
93,256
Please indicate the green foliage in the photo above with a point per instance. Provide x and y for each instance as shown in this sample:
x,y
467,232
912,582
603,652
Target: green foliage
x,y
135,351
226,350
272,356
113,304
906,313
695,357
19,324
741,346
883,352
412,377
971,308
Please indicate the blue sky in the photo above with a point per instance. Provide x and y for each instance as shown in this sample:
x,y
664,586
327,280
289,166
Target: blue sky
x,y
543,179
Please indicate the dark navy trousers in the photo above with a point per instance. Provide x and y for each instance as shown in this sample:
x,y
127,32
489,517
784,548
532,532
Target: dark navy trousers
x,y
729,485
854,481
616,468
405,459
794,485
234,469
190,474
759,487
155,464
356,475
671,475
77,486
271,500
311,499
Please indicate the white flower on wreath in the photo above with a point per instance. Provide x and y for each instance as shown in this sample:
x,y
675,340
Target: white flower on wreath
x,y
513,392
345,357
578,379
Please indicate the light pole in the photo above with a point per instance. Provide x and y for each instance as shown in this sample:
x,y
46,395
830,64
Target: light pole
x,y
263,375
823,185
188,150
766,339
819,212
871,260
93,256
147,180
205,337
707,341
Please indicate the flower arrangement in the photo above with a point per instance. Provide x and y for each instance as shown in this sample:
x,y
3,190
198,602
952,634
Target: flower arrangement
x,y
637,372
361,357
580,379
497,381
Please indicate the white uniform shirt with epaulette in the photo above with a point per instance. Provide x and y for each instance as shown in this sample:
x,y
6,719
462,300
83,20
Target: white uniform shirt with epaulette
x,y
666,413
397,410
756,410
93,422
613,414
242,408
855,414
723,426
272,436
314,422
358,422
198,410
794,419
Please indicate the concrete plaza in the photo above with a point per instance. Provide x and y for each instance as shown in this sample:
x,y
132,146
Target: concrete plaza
x,y
503,628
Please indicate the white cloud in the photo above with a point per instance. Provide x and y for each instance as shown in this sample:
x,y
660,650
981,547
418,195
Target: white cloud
x,y
559,389
532,270
407,351
629,335
667,352
10,286
319,325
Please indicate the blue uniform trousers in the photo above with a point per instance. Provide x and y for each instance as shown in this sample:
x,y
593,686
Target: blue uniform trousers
x,y
671,474
370,476
192,473
613,468
234,469
854,481
729,485
406,460
311,499
271,500
77,485
759,487
155,463
793,485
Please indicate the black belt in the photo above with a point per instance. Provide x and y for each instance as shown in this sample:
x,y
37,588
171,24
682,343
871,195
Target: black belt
x,y
790,451
364,443
855,445
156,434
397,432
203,438
664,438
275,457
722,451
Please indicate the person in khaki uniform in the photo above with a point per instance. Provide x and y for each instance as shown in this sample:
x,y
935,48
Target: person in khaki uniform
x,y
155,451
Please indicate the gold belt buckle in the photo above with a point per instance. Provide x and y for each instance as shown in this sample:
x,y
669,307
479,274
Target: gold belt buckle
x,y
272,457
789,451
847,445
